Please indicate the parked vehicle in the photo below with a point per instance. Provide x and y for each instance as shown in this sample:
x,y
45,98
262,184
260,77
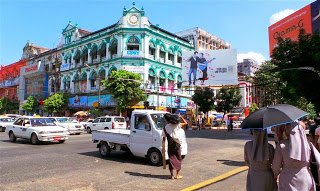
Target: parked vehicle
x,y
72,125
107,122
36,129
141,142
86,122
4,121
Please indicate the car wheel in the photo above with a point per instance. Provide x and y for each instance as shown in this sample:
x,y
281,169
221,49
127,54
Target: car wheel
x,y
104,149
106,128
88,130
62,141
12,137
34,139
155,157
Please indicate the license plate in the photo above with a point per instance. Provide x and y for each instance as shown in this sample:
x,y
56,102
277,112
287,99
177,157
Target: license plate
x,y
120,124
56,138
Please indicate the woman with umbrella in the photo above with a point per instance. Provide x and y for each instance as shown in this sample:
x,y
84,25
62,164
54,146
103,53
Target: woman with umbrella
x,y
258,155
292,158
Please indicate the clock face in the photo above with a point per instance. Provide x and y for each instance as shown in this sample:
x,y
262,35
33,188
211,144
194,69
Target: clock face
x,y
133,19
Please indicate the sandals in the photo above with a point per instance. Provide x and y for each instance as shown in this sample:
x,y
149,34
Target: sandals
x,y
179,177
172,177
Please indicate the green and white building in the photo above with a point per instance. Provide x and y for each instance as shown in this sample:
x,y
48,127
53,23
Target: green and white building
x,y
133,44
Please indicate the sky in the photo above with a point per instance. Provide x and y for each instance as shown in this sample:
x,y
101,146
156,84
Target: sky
x,y
243,23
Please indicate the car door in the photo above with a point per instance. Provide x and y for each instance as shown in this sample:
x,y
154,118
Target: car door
x,y
17,127
108,123
95,124
141,138
25,128
102,123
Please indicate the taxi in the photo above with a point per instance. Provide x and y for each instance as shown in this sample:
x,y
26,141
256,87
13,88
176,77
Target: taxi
x,y
36,129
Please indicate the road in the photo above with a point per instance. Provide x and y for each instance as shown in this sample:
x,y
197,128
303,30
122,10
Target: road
x,y
77,165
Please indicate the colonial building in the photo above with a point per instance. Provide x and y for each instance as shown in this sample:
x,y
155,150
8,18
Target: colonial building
x,y
203,40
9,80
34,76
133,43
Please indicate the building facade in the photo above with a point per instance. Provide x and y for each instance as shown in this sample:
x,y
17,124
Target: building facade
x,y
248,67
9,80
203,40
132,44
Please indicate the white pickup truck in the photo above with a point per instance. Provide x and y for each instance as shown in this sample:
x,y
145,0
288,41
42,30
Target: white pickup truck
x,y
143,139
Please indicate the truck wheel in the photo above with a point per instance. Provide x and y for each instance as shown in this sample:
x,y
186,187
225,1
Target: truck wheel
x,y
104,149
12,137
88,130
34,139
155,157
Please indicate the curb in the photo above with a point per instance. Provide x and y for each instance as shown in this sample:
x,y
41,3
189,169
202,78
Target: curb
x,y
216,179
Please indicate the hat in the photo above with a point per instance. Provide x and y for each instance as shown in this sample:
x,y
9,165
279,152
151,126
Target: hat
x,y
172,118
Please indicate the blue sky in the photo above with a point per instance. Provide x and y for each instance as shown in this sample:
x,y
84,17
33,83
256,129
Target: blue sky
x,y
242,23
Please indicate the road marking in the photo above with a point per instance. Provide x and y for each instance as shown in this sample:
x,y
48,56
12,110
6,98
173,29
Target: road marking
x,y
216,179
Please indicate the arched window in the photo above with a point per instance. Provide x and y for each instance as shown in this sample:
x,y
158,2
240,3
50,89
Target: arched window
x,y
179,80
83,82
162,80
152,51
179,60
152,79
84,55
94,53
66,83
170,56
113,48
111,70
171,82
133,43
102,51
93,80
162,54
76,58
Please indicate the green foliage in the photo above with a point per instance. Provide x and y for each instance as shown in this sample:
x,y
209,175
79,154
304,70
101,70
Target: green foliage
x,y
253,108
31,105
7,106
294,54
227,98
55,103
305,105
125,88
204,98
269,84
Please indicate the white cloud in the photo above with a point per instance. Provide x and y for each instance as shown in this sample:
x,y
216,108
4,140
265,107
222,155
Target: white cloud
x,y
280,15
251,55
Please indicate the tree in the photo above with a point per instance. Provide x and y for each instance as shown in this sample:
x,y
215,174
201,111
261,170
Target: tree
x,y
204,98
228,98
296,54
55,103
305,105
253,108
125,88
7,106
269,85
31,105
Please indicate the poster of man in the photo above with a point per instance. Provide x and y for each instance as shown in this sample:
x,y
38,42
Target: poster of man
x,y
209,67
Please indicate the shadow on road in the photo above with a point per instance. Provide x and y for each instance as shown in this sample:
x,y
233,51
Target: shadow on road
x,y
123,157
27,142
221,134
232,162
147,175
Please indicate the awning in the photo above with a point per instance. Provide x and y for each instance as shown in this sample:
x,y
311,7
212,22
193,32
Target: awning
x,y
137,107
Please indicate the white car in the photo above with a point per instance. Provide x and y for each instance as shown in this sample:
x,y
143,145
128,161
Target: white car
x,y
4,121
107,122
36,129
73,127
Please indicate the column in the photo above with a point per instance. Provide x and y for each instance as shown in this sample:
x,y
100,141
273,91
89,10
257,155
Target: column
x,y
157,52
107,52
89,56
88,84
166,58
119,46
175,58
61,85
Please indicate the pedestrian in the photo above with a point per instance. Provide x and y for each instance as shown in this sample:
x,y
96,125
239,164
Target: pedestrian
x,y
258,155
173,133
292,160
128,122
317,132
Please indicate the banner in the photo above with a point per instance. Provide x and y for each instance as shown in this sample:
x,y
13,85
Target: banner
x,y
217,67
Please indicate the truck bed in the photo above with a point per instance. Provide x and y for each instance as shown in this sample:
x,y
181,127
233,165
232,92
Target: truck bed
x,y
119,136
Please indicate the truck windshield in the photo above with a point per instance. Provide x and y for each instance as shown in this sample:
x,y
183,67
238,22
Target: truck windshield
x,y
159,120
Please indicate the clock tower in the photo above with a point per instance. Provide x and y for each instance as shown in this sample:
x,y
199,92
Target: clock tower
x,y
134,18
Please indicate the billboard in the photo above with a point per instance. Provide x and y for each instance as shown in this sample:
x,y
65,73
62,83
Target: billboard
x,y
216,67
307,18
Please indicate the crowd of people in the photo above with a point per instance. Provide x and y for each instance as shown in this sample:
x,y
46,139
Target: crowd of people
x,y
287,167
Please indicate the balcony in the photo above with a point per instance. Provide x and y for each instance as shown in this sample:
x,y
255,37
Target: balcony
x,y
151,56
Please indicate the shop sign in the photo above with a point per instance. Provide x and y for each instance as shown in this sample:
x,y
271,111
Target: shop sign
x,y
132,53
64,66
31,68
134,69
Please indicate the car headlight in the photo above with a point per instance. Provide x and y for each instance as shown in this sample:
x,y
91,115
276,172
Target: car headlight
x,y
43,132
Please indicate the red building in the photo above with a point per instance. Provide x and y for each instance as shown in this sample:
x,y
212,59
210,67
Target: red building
x,y
9,80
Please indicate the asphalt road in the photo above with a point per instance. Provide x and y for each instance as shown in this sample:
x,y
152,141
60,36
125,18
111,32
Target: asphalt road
x,y
77,165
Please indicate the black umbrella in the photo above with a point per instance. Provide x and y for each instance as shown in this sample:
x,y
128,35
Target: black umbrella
x,y
272,116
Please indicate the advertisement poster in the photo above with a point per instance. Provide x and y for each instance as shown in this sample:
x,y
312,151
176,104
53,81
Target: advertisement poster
x,y
290,26
217,67
315,16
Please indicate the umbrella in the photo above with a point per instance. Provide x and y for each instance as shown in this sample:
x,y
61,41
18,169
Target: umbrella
x,y
272,116
81,113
